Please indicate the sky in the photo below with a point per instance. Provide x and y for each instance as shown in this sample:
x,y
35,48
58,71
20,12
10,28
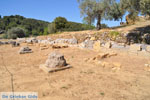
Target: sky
x,y
46,10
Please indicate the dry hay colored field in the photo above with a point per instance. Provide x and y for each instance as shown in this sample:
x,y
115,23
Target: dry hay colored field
x,y
85,81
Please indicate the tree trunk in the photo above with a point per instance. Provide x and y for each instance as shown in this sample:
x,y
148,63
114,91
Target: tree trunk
x,y
99,22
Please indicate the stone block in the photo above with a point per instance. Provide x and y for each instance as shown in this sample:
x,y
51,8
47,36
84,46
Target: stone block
x,y
135,47
97,46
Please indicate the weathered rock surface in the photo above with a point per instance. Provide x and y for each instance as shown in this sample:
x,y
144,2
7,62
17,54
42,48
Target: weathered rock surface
x,y
105,55
44,41
147,67
148,48
1,43
146,38
24,50
108,45
59,46
100,57
72,41
69,41
136,47
15,44
97,45
87,44
92,38
55,60
21,40
32,40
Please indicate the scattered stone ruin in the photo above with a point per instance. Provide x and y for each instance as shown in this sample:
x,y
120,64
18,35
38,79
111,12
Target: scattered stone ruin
x,y
24,50
55,62
55,59
15,44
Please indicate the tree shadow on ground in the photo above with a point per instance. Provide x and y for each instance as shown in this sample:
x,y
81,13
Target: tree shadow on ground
x,y
139,35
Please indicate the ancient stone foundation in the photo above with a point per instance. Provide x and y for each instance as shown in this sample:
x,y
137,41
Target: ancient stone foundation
x,y
55,62
24,50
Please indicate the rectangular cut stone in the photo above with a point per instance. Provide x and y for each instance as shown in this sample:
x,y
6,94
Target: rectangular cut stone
x,y
136,47
148,48
97,46
49,70
108,45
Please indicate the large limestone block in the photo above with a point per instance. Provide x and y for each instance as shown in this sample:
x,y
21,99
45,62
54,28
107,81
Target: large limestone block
x,y
108,45
135,47
97,46
148,48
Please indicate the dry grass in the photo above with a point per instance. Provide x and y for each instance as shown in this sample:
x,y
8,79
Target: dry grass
x,y
85,81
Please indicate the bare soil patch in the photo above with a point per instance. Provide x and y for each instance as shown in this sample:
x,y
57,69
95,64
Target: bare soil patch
x,y
85,81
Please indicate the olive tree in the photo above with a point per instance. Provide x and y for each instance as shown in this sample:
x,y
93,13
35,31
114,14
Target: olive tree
x,y
116,12
93,10
145,7
132,7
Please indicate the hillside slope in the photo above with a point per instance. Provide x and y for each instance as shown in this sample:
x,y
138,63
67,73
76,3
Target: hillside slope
x,y
31,26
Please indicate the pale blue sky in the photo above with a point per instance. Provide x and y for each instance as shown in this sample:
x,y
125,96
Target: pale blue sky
x,y
46,10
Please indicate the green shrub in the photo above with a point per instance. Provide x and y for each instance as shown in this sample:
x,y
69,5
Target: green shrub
x,y
45,31
34,33
4,36
51,28
114,34
15,32
60,23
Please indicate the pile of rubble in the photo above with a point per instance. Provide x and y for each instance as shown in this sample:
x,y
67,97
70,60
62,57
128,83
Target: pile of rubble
x,y
100,60
90,44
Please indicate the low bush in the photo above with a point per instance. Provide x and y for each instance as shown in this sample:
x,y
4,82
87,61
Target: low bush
x,y
15,32
114,34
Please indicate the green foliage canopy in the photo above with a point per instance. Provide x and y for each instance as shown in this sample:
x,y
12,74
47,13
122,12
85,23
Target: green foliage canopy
x,y
32,26
61,24
145,7
93,10
15,32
